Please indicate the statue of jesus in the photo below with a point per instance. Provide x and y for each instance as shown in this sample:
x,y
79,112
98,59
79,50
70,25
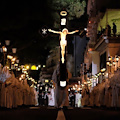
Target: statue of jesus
x,y
63,41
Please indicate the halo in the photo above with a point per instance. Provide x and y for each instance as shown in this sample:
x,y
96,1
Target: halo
x,y
63,13
65,29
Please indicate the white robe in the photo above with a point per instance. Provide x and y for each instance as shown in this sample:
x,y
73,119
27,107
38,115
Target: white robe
x,y
51,99
78,100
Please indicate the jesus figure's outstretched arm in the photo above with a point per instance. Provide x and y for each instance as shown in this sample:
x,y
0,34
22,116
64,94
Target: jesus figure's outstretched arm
x,y
73,32
58,32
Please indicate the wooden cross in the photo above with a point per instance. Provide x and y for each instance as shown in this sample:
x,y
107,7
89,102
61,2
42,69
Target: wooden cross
x,y
63,44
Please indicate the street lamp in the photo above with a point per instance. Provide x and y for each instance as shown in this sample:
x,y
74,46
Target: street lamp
x,y
17,61
7,42
14,50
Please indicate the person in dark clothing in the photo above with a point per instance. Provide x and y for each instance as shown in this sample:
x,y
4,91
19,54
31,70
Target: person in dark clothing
x,y
74,99
108,30
71,98
114,29
46,98
41,99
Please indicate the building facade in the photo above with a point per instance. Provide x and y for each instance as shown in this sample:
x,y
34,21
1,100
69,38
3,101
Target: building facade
x,y
103,43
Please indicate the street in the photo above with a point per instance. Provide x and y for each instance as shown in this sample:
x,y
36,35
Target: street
x,y
51,113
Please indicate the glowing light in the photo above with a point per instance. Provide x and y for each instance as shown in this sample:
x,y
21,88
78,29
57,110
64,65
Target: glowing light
x,y
32,85
89,21
108,62
22,75
82,85
99,73
9,56
27,75
90,49
103,70
109,58
106,75
85,83
73,88
33,67
13,59
39,66
25,72
46,80
63,13
43,65
78,89
117,58
114,62
7,67
75,85
46,88
44,31
62,83
40,88
27,67
4,49
24,69
85,29
63,21
15,64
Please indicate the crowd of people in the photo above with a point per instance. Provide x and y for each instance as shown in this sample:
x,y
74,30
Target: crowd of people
x,y
47,98
15,92
105,94
108,30
75,99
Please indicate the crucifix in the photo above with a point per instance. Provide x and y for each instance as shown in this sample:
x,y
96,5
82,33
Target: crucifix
x,y
60,75
63,44
63,41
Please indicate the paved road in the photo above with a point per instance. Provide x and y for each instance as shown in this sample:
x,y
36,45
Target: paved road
x,y
50,113
91,114
31,113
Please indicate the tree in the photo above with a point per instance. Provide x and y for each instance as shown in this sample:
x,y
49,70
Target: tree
x,y
75,9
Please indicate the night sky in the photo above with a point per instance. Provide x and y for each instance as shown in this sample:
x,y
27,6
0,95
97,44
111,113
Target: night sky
x,y
20,22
